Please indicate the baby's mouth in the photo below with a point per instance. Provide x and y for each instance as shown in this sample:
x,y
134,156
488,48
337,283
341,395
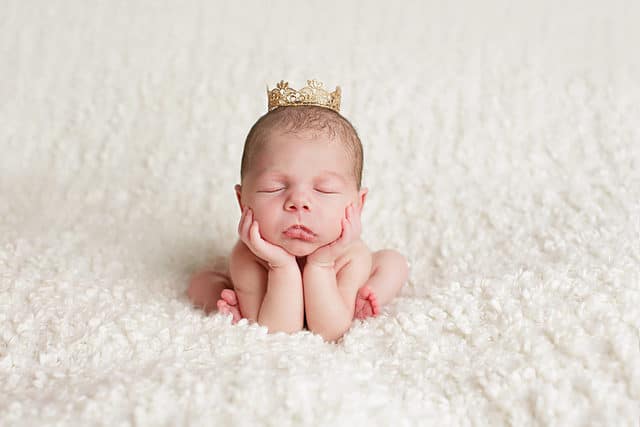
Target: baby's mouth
x,y
300,232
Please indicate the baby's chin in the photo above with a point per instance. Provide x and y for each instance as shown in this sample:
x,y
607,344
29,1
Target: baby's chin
x,y
300,248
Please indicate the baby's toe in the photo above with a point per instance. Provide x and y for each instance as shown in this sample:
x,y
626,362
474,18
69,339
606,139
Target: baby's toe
x,y
223,307
229,296
374,303
364,292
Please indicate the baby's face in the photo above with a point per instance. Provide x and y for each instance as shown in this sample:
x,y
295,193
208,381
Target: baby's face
x,y
298,188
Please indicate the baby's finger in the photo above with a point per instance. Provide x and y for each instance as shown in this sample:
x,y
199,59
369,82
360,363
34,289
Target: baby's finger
x,y
248,221
242,219
352,216
348,212
356,224
346,231
254,236
263,248
350,227
356,221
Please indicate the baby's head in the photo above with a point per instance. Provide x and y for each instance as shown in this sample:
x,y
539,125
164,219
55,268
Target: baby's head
x,y
301,165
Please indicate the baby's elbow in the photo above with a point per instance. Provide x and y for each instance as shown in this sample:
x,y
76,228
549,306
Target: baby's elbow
x,y
331,334
286,329
275,327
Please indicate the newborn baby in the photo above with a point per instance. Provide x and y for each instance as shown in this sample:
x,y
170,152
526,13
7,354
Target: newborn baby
x,y
299,255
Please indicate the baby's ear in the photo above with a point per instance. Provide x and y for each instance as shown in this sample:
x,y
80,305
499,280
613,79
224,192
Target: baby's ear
x,y
238,189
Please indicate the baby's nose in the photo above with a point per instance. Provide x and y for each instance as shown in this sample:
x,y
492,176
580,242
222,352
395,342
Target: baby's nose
x,y
297,203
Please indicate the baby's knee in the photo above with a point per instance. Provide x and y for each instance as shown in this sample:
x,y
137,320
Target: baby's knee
x,y
394,259
199,279
196,283
201,283
392,264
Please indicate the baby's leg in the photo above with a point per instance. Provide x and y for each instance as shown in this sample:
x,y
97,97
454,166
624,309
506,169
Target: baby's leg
x,y
210,289
389,271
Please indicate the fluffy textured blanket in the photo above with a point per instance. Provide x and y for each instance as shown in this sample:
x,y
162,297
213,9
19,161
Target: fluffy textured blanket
x,y
502,154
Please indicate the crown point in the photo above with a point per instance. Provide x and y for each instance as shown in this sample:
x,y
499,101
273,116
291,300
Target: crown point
x,y
314,84
312,94
282,84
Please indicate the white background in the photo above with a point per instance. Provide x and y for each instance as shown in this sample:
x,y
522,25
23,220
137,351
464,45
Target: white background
x,y
502,154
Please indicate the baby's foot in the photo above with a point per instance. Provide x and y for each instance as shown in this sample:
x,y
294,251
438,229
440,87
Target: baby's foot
x,y
366,303
228,304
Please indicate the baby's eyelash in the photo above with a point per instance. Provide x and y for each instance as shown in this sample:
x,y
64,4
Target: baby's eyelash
x,y
275,190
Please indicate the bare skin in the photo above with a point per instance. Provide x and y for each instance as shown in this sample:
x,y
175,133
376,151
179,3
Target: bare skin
x,y
299,256
386,272
209,289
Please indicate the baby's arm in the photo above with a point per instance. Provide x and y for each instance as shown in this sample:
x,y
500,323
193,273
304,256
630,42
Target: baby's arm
x,y
269,292
330,298
329,295
270,297
249,280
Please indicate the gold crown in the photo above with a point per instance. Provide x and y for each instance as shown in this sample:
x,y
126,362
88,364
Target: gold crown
x,y
312,94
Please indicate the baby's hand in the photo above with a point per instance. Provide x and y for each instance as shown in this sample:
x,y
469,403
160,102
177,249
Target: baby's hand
x,y
325,256
249,232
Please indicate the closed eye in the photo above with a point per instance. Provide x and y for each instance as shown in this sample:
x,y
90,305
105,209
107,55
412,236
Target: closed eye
x,y
271,190
323,191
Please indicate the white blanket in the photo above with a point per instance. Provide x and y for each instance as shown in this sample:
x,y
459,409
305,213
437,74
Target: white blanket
x,y
502,155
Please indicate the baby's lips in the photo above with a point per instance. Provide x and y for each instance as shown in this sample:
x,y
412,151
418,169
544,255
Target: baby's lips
x,y
301,227
300,232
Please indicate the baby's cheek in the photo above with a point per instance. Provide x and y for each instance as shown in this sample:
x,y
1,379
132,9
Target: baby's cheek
x,y
264,218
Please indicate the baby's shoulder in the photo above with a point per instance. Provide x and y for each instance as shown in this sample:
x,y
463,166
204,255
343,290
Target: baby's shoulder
x,y
241,255
360,248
